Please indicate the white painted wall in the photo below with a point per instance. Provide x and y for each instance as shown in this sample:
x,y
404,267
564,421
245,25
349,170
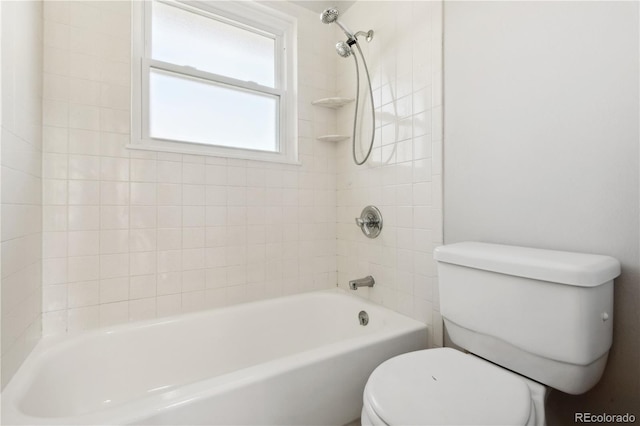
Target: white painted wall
x,y
21,210
541,148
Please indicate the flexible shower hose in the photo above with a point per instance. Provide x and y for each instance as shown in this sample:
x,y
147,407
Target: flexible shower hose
x,y
355,115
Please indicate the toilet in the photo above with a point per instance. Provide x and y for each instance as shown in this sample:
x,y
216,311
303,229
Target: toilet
x,y
530,319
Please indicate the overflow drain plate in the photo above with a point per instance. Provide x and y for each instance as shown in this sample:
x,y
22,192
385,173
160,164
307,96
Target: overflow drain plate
x,y
363,318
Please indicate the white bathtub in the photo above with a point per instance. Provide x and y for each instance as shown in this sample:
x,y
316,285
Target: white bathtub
x,y
301,359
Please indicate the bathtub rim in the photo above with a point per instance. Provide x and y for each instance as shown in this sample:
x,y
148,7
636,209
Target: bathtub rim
x,y
56,343
148,405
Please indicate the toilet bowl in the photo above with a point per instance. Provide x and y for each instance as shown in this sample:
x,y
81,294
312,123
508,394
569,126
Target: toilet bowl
x,y
530,319
445,386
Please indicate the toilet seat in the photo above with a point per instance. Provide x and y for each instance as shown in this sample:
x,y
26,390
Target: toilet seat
x,y
445,386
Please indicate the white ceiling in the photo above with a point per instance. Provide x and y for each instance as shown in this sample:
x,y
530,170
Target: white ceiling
x,y
320,5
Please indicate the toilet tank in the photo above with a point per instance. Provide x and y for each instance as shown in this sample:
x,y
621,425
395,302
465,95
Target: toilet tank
x,y
545,314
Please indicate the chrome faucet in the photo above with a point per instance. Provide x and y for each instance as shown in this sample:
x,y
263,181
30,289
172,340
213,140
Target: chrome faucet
x,y
362,282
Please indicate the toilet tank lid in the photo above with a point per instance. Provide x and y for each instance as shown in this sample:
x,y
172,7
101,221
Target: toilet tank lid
x,y
578,269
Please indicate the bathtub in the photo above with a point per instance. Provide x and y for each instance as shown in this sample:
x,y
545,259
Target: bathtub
x,y
301,359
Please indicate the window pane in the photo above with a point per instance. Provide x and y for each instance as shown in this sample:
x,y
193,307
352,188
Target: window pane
x,y
190,110
186,38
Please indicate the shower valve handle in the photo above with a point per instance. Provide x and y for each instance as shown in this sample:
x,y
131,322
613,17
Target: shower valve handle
x,y
366,224
370,222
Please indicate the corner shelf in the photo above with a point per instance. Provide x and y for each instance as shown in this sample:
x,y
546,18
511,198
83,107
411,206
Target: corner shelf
x,y
333,103
333,138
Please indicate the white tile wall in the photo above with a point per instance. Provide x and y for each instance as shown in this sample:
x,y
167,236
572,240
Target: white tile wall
x,y
403,177
21,210
129,234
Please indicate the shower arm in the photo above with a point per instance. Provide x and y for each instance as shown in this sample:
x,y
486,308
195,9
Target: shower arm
x,y
353,38
345,30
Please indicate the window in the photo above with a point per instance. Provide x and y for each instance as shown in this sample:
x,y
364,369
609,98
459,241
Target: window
x,y
214,78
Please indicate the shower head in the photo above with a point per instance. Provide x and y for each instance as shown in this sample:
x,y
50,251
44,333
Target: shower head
x,y
343,49
330,15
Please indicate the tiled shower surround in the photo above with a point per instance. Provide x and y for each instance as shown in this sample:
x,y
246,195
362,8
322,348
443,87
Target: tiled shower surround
x,y
21,182
132,234
136,234
403,176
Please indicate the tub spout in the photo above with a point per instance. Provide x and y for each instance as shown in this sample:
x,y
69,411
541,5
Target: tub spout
x,y
362,282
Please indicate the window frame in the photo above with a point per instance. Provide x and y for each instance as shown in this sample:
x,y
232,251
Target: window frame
x,y
247,15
